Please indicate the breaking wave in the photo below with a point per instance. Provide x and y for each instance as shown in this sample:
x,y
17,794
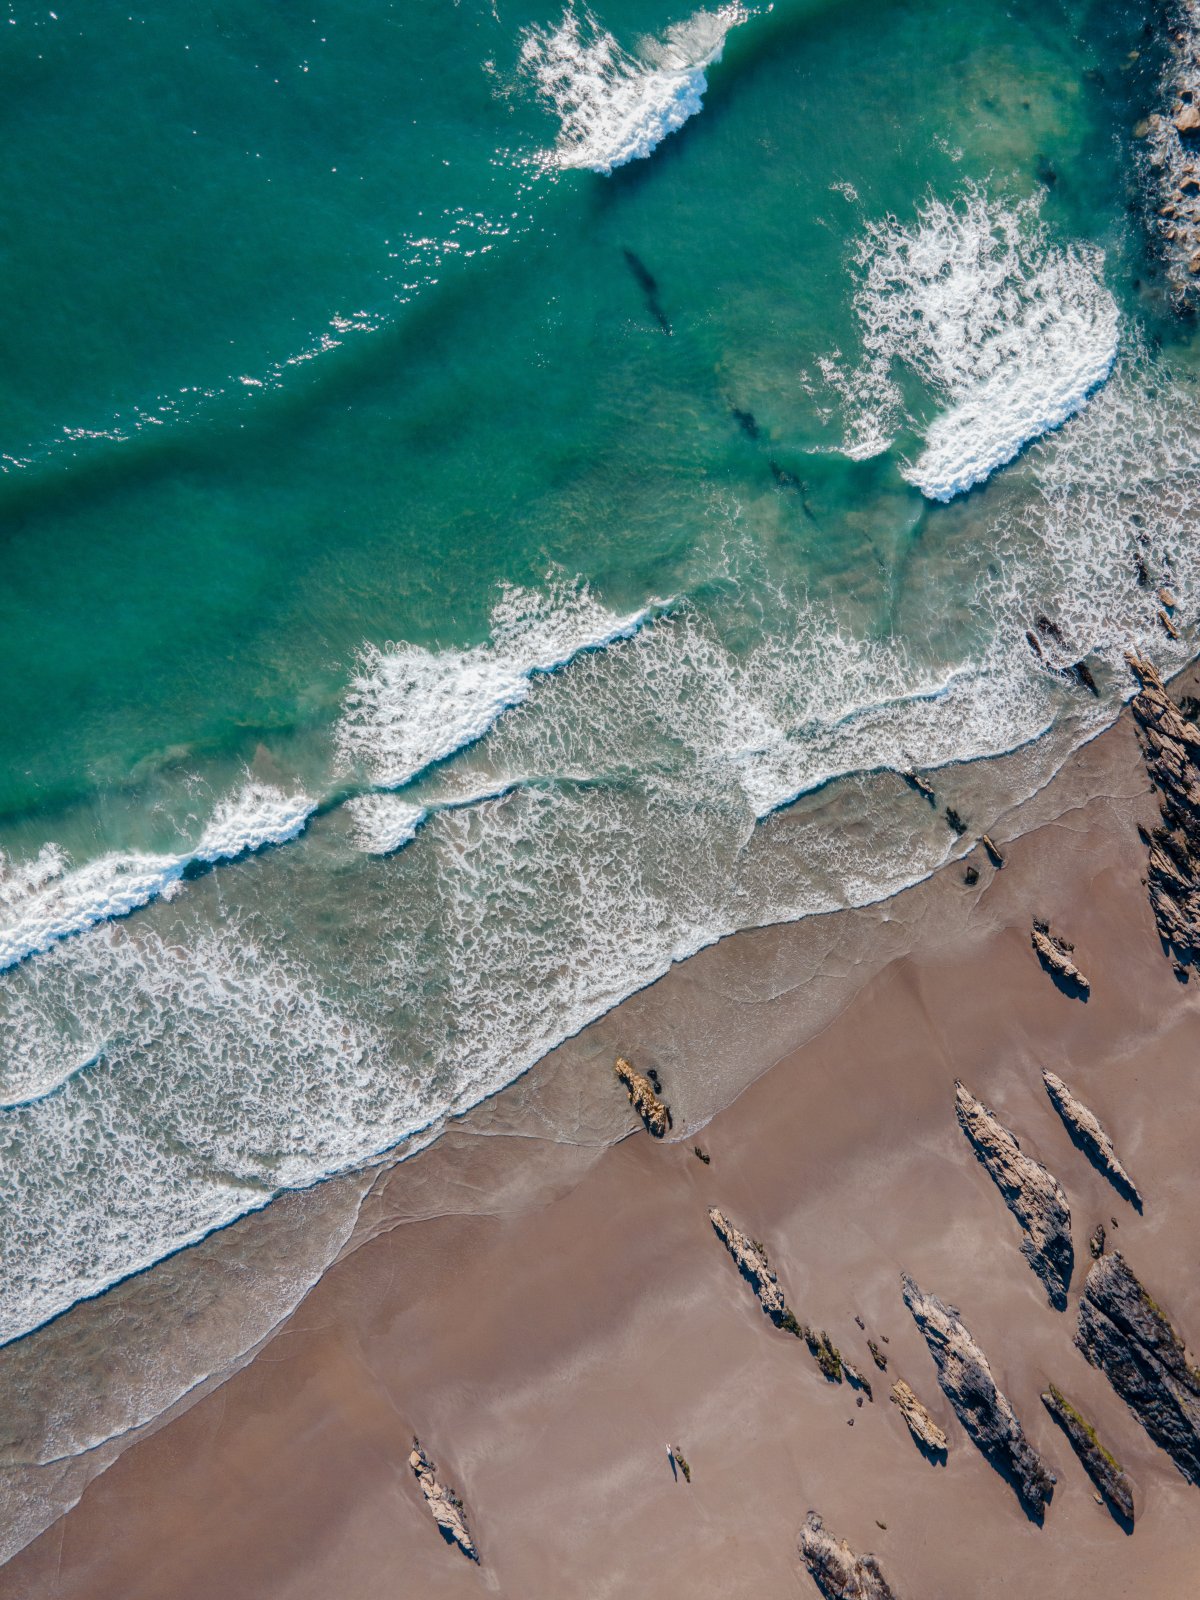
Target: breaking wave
x,y
48,899
1008,331
615,106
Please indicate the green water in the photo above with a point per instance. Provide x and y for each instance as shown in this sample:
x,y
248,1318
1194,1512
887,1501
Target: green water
x,y
309,348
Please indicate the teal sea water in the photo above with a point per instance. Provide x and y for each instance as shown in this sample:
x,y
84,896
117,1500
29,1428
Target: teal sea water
x,y
492,498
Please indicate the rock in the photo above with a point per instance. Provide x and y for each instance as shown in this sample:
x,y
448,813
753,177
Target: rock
x,y
1188,120
1096,1242
1055,956
1031,1193
877,1355
701,1155
985,1413
920,1424
1165,596
1130,1338
856,1379
1171,750
752,1263
1085,1128
446,1507
971,877
1168,627
957,824
1172,210
653,1111
1082,674
1101,1466
994,855
915,781
838,1573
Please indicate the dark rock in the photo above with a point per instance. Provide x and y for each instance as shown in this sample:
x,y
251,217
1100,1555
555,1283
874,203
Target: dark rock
x,y
1171,750
877,1355
985,1413
751,1258
838,1573
1031,1193
971,877
1087,1132
1130,1338
957,824
1096,1242
1101,1466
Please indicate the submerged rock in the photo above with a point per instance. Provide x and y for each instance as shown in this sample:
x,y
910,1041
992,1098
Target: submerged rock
x,y
1055,956
836,1570
1171,750
1172,149
1031,1193
968,1384
1130,1338
1101,1466
751,1258
920,1424
1088,1131
655,1113
445,1506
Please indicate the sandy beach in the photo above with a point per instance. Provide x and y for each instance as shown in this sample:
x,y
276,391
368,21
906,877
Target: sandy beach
x,y
548,1314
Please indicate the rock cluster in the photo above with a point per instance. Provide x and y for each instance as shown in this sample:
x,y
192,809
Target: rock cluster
x,y
1124,1333
836,1570
1031,1193
1101,1466
1055,956
445,1506
967,1381
1087,1131
1173,151
1171,748
655,1113
920,1424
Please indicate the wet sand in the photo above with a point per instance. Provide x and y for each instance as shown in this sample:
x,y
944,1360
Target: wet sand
x,y
546,1314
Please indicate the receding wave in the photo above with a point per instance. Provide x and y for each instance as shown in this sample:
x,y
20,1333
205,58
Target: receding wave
x,y
1009,331
613,105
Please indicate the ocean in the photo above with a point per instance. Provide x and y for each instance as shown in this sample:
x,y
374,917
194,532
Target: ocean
x,y
494,499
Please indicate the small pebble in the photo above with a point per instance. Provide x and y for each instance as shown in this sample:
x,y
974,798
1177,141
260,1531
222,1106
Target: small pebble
x,y
849,1422
858,1402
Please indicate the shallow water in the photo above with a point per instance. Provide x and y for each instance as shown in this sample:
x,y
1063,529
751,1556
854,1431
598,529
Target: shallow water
x,y
466,545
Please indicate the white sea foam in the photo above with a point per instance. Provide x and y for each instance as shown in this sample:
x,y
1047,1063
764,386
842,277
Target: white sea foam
x,y
384,823
48,899
1009,331
615,106
409,707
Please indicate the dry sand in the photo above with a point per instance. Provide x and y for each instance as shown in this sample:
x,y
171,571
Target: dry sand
x,y
546,1345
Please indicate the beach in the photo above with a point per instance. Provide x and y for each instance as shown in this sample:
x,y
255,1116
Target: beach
x,y
547,1316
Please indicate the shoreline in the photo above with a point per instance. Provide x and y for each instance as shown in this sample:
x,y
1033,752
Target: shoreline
x,y
750,995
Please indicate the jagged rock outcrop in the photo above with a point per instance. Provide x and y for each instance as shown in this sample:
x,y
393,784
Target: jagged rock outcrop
x,y
1055,956
1031,1193
655,1113
920,1424
751,1258
1130,1338
1101,1466
1086,1129
836,1570
1171,749
968,1384
443,1503
1173,152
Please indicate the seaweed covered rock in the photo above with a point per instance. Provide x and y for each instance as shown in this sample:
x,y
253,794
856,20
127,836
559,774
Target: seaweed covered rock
x,y
920,1424
1088,1132
1031,1193
1130,1338
836,1570
445,1506
1055,956
655,1113
985,1413
1171,750
1101,1466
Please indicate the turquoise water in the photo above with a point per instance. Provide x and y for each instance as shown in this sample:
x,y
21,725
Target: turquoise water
x,y
445,583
